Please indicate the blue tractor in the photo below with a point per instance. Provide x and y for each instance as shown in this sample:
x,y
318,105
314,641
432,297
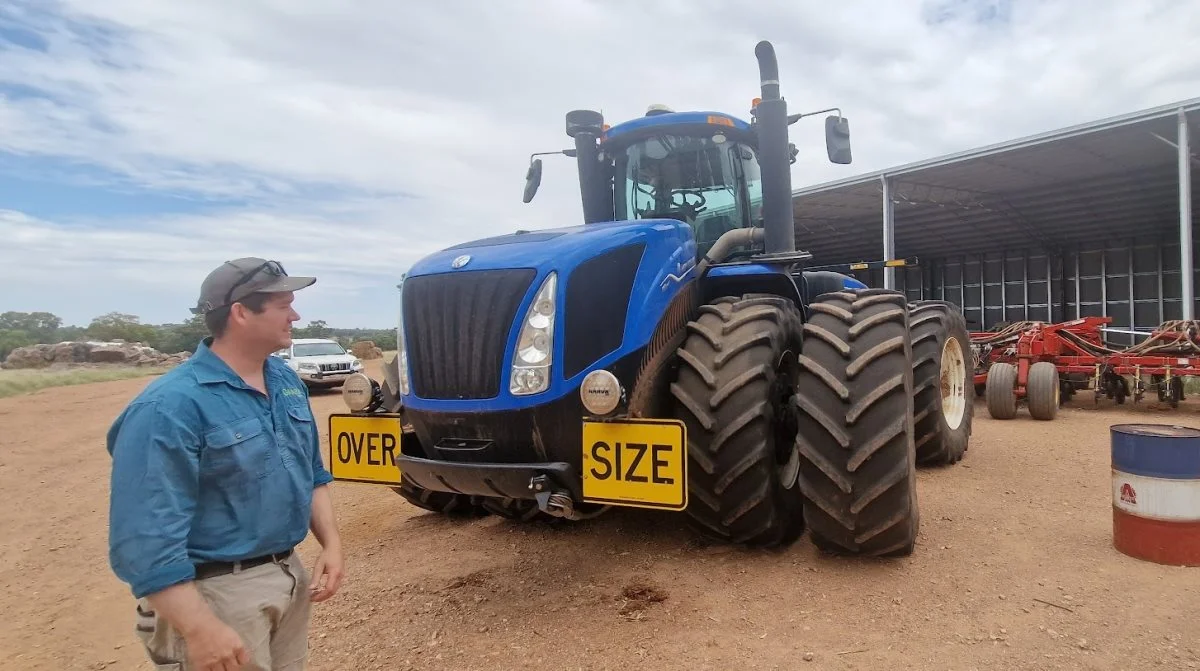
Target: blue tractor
x,y
671,353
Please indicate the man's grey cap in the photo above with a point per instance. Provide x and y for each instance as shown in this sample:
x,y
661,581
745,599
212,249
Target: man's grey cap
x,y
242,277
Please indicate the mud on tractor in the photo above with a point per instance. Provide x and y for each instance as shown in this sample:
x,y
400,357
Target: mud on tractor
x,y
669,353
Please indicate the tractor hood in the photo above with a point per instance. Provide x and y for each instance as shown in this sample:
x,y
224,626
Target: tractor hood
x,y
559,248
462,308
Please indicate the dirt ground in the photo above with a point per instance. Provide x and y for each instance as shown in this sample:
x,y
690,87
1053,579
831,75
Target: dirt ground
x,y
1015,570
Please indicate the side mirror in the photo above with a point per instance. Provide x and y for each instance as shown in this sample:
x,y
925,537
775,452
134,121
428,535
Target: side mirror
x,y
533,179
837,139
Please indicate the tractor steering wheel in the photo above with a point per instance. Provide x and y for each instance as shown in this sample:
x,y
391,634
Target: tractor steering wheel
x,y
682,196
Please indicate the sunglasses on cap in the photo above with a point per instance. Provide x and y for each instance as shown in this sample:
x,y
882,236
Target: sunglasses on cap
x,y
273,268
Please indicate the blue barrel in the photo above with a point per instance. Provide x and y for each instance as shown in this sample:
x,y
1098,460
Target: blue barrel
x,y
1156,492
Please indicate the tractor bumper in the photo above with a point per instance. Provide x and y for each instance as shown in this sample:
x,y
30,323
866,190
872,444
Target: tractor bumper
x,y
514,481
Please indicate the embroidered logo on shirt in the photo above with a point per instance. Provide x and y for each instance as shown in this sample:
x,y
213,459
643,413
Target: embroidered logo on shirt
x,y
292,391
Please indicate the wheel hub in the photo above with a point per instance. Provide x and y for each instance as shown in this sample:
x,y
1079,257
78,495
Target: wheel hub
x,y
953,389
787,456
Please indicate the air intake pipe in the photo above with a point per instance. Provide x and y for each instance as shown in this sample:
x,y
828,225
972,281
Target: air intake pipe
x,y
771,122
738,237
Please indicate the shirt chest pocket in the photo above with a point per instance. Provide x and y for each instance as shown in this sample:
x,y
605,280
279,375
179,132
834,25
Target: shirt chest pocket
x,y
297,431
239,449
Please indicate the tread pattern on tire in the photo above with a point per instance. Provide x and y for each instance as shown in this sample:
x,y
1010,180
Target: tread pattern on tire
x,y
728,368
932,323
1041,390
855,437
1001,391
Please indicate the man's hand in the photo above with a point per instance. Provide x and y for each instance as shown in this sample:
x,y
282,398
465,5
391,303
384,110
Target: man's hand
x,y
327,574
211,644
214,646
331,566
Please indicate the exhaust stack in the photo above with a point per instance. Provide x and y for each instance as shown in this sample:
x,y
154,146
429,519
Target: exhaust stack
x,y
774,157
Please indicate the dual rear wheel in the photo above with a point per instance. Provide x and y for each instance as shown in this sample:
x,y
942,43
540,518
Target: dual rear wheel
x,y
796,423
1043,391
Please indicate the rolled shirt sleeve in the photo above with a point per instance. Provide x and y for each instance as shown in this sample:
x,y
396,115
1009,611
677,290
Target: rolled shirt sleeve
x,y
155,482
321,475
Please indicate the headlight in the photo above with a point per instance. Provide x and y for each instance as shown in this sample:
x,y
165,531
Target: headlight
x,y
401,352
308,366
356,365
534,355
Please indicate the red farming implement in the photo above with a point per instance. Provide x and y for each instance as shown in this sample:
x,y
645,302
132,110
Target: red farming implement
x,y
1043,364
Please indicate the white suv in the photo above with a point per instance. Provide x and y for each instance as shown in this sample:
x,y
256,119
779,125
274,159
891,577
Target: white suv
x,y
320,362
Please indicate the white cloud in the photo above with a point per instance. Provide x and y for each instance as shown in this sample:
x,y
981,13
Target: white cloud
x,y
385,130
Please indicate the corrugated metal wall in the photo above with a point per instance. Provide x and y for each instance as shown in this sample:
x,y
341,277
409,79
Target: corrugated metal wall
x,y
1092,280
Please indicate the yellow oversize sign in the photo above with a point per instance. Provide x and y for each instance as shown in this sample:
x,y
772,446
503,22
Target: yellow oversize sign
x,y
364,448
637,463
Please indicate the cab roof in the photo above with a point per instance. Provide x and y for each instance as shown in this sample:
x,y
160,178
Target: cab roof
x,y
713,119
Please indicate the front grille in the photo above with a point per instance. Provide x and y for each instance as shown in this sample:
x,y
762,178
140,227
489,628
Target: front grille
x,y
334,367
456,326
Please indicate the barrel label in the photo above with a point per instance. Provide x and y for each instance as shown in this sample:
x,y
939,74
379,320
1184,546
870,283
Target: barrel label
x,y
1156,498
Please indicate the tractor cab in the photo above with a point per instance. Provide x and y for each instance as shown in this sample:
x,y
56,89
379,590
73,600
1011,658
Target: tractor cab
x,y
700,169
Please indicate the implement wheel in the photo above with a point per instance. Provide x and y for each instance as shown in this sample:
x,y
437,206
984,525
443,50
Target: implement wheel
x,y
1176,393
1001,391
1043,390
943,406
736,372
855,438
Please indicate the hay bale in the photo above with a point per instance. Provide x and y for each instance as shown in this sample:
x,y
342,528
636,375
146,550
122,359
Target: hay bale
x,y
89,354
31,356
366,349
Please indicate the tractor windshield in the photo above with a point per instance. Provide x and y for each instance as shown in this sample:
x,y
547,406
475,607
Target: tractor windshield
x,y
712,184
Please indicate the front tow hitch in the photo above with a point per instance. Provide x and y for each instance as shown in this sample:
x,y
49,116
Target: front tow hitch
x,y
557,502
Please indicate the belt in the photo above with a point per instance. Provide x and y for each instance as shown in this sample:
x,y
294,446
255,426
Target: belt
x,y
215,568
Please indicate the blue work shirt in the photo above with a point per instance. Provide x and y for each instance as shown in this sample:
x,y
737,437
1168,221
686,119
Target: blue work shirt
x,y
207,468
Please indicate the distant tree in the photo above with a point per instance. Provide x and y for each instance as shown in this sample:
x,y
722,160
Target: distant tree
x,y
41,326
316,328
172,338
120,326
11,339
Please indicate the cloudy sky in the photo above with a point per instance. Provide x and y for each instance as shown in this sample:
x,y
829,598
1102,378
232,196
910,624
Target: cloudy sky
x,y
143,142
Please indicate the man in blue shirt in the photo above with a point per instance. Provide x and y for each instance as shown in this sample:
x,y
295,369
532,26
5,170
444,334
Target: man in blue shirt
x,y
216,477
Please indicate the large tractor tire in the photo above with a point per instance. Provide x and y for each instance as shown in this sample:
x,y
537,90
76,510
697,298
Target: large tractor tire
x,y
445,503
943,382
736,372
1042,390
855,434
1001,391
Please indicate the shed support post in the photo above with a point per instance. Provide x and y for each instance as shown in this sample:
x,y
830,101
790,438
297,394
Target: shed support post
x,y
1062,286
889,234
1186,270
1159,252
1079,301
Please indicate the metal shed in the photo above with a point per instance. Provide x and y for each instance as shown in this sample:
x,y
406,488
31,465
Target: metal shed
x,y
1081,221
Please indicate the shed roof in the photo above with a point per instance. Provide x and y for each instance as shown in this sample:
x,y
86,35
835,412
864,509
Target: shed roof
x,y
1112,178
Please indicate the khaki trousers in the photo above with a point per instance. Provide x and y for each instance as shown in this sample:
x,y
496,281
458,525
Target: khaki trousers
x,y
268,605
